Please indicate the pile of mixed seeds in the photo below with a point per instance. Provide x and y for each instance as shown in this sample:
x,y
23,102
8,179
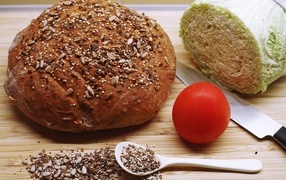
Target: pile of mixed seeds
x,y
79,164
138,159
97,164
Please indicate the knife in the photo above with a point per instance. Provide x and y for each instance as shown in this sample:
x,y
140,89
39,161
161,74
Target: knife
x,y
242,112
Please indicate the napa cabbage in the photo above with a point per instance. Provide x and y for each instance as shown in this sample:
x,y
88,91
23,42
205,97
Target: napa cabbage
x,y
240,44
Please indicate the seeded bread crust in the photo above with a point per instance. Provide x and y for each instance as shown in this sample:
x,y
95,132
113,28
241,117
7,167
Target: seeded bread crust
x,y
86,66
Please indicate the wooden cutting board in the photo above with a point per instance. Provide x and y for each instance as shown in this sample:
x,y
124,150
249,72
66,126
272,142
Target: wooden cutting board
x,y
19,137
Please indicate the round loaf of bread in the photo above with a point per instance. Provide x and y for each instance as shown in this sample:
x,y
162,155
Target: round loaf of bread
x,y
90,65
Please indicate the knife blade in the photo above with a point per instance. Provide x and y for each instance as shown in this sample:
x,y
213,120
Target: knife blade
x,y
242,112
282,3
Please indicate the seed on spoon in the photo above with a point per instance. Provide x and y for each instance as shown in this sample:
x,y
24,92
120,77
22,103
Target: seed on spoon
x,y
138,159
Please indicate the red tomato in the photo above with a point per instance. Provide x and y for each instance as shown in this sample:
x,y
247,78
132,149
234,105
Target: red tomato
x,y
201,113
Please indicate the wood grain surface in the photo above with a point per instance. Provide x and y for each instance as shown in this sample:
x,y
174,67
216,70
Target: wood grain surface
x,y
20,137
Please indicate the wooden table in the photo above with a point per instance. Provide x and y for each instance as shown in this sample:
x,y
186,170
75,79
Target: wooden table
x,y
20,137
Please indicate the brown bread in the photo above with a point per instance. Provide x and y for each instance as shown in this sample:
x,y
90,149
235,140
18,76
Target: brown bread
x,y
90,65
